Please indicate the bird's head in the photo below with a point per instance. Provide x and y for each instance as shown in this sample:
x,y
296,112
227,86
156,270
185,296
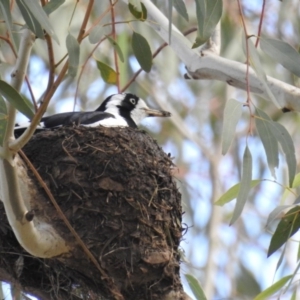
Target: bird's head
x,y
130,107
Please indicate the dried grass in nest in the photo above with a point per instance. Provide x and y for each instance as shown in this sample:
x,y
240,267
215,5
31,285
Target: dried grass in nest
x,y
116,188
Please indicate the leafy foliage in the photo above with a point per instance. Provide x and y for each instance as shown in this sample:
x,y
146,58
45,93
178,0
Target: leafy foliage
x,y
12,96
208,13
195,287
142,51
108,74
287,227
232,114
245,185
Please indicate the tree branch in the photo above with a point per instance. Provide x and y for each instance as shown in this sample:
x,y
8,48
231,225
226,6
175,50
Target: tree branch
x,y
206,65
16,189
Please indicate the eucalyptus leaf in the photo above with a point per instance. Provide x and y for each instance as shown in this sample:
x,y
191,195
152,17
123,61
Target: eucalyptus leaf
x,y
276,212
245,185
96,34
232,114
74,52
287,227
263,125
296,181
181,8
267,293
40,15
258,68
288,148
5,9
117,48
52,6
195,287
108,74
30,19
12,96
142,51
232,193
209,13
283,53
3,119
139,13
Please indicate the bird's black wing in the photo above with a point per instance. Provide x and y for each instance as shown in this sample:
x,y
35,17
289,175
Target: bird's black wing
x,y
76,118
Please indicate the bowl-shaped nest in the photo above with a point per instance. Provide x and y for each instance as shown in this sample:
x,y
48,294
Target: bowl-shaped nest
x,y
115,187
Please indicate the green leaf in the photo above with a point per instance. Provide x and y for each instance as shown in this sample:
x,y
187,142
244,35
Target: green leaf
x,y
195,287
12,96
283,53
288,148
41,17
258,68
108,74
142,51
5,9
267,293
117,48
296,181
96,34
245,185
30,20
181,9
287,227
232,193
294,295
209,13
276,212
74,52
3,119
270,143
232,113
139,13
53,5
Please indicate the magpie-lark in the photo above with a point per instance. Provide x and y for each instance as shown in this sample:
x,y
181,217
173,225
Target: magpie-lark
x,y
116,110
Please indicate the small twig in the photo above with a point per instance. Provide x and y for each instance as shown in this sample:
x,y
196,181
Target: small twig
x,y
112,11
158,50
82,69
51,62
260,23
8,41
85,21
247,65
25,137
98,20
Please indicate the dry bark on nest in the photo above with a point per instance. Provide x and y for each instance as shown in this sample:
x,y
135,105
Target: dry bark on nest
x,y
115,186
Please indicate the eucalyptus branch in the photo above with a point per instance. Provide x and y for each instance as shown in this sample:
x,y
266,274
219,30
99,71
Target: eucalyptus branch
x,y
112,12
17,191
26,136
206,65
260,22
18,76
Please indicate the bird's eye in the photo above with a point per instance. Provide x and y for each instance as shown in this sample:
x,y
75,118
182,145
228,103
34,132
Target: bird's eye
x,y
132,101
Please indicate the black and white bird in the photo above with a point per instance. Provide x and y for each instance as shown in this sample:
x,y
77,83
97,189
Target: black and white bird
x,y
116,110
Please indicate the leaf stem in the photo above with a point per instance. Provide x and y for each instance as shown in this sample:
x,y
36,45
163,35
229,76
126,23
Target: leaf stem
x,y
112,12
260,23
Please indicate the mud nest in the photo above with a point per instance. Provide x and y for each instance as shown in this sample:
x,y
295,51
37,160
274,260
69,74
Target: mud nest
x,y
115,186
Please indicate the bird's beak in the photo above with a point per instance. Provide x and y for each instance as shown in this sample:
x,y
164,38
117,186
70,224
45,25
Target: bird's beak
x,y
156,113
